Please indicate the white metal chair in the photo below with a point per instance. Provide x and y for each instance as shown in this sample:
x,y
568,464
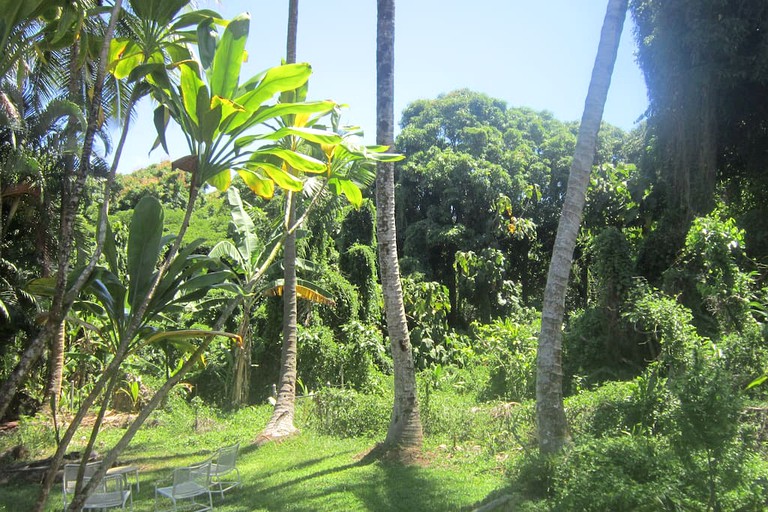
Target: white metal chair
x,y
188,483
113,490
224,472
69,479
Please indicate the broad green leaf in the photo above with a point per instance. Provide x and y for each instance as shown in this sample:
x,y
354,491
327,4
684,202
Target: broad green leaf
x,y
158,11
142,70
204,281
261,186
177,52
228,109
110,292
298,161
221,181
110,250
125,61
282,178
266,84
191,333
248,242
161,118
284,109
207,39
227,249
69,17
184,264
758,381
209,123
42,286
309,134
190,85
244,141
144,238
225,70
352,192
273,81
203,108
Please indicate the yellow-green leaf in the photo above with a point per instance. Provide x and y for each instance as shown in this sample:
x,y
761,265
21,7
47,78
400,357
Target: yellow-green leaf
x,y
298,161
283,179
221,181
261,186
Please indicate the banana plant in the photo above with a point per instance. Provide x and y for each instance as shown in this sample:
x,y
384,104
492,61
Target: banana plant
x,y
140,296
253,263
214,111
116,294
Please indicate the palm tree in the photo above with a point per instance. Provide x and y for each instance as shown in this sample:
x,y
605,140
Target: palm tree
x,y
405,427
550,413
281,423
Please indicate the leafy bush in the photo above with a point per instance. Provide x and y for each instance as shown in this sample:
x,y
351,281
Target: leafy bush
x,y
617,473
708,277
618,408
347,413
508,348
745,353
358,264
345,295
347,361
427,305
666,325
641,473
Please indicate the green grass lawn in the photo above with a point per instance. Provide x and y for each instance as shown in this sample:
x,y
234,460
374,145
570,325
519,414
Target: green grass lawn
x,y
307,473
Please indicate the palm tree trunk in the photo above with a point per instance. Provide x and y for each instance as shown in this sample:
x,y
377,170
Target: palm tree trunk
x,y
281,424
57,365
405,426
293,29
550,413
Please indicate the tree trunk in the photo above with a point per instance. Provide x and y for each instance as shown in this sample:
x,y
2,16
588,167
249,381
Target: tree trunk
x,y
405,426
241,383
550,413
281,425
293,29
56,363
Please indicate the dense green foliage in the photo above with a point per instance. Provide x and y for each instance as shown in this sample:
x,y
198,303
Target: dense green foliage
x,y
666,308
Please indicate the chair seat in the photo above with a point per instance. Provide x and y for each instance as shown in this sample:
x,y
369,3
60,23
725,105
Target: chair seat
x,y
107,499
183,490
189,482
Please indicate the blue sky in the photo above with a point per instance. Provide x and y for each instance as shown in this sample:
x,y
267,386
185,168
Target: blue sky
x,y
528,53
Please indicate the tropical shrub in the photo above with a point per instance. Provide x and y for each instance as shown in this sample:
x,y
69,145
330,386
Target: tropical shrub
x,y
427,306
708,277
351,361
508,348
347,413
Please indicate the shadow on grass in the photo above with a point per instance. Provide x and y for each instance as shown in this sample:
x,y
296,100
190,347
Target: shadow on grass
x,y
343,485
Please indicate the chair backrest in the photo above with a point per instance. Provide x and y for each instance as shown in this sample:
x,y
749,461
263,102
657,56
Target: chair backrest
x,y
70,475
227,457
191,478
